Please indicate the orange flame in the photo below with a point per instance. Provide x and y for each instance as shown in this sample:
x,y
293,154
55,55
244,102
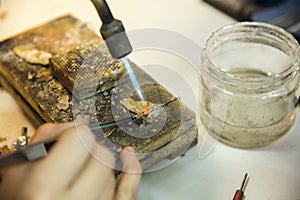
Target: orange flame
x,y
146,110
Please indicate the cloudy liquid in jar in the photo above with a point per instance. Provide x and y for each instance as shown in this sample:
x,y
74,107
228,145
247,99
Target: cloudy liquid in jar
x,y
257,106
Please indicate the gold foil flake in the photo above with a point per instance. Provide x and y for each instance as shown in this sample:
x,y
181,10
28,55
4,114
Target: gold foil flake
x,y
108,133
30,75
63,102
4,149
32,55
44,74
141,108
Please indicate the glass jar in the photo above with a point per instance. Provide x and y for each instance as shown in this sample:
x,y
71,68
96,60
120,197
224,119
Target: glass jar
x,y
249,84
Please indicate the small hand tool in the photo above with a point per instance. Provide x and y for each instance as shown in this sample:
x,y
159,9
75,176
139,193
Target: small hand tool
x,y
239,194
39,150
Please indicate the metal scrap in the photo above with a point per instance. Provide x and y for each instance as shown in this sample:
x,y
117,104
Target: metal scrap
x,y
32,55
109,132
141,108
63,102
4,149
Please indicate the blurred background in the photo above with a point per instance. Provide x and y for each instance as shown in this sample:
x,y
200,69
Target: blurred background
x,y
283,13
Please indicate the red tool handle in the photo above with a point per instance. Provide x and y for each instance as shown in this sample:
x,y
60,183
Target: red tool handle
x,y
238,195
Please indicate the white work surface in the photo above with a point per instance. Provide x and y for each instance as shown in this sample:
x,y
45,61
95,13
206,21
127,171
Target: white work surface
x,y
274,169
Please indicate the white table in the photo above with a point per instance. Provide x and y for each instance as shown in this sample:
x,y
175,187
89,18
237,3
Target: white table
x,y
274,170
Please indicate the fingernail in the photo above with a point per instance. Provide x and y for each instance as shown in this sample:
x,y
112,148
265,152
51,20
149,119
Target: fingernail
x,y
129,149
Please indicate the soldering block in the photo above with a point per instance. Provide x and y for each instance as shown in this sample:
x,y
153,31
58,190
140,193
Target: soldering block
x,y
82,80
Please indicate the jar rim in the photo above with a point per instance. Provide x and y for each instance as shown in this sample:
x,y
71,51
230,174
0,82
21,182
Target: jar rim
x,y
259,26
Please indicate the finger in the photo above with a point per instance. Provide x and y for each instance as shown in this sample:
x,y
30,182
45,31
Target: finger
x,y
130,163
97,178
51,130
131,177
13,177
65,160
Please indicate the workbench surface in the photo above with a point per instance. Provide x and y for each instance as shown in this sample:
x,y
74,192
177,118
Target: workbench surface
x,y
273,169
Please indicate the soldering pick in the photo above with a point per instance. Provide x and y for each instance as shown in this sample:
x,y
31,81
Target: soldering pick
x,y
239,194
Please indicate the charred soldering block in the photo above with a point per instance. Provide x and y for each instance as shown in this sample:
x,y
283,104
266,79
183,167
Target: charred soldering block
x,y
46,92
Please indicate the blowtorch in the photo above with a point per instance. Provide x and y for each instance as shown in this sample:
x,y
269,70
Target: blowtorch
x,y
117,42
112,31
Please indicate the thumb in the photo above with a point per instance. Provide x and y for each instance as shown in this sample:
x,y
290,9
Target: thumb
x,y
131,176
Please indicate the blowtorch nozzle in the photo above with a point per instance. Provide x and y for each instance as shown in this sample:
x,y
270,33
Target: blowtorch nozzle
x,y
112,31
